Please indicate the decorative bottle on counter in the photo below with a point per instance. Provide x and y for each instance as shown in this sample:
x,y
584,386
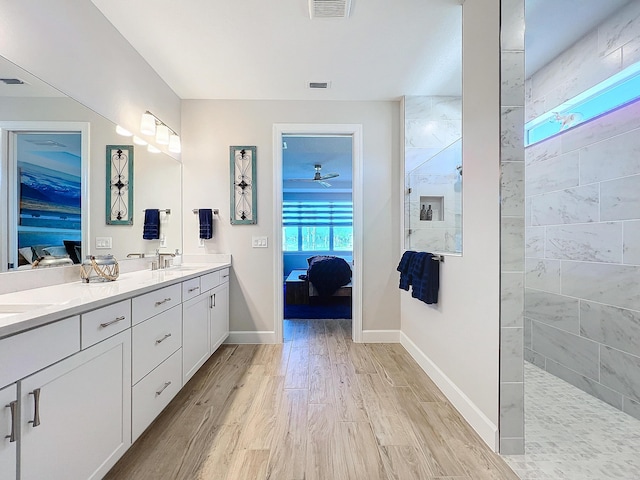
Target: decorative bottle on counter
x,y
423,213
429,213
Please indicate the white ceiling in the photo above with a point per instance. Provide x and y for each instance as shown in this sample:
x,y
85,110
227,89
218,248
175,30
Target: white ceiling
x,y
257,49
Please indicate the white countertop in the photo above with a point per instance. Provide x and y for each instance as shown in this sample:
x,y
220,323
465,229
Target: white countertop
x,y
28,309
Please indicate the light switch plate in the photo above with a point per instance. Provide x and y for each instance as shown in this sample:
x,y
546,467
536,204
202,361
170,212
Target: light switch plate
x,y
259,242
104,242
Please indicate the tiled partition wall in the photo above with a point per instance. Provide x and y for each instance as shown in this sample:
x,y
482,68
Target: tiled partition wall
x,y
512,227
582,297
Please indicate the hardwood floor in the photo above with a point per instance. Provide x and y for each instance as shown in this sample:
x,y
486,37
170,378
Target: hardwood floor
x,y
316,407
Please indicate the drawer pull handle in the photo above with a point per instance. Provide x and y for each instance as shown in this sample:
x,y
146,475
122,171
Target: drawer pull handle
x,y
193,289
14,417
36,411
163,338
164,387
225,276
163,301
115,320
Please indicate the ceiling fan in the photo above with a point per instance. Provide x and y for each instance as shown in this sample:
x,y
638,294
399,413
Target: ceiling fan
x,y
318,177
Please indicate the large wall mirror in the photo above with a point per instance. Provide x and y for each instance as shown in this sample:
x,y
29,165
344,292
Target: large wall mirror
x,y
53,181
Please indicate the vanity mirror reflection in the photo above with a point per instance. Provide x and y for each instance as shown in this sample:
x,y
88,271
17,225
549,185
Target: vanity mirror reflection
x,y
30,107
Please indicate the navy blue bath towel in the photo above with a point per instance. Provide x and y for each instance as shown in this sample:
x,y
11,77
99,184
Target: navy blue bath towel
x,y
206,223
151,229
421,271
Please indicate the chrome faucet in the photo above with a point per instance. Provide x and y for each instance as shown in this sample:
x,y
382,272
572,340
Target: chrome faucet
x,y
137,255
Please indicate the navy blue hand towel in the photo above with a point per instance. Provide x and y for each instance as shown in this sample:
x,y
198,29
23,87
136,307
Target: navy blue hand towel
x,y
426,287
206,223
151,229
403,268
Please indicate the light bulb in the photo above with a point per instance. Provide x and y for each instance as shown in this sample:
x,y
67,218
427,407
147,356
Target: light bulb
x,y
122,131
148,124
162,134
174,144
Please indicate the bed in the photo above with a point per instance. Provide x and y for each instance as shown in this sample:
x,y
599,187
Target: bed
x,y
326,276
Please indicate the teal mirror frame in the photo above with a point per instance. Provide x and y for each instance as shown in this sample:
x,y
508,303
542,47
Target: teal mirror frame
x,y
119,199
244,200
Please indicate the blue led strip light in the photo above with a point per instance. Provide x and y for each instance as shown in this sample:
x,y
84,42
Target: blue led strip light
x,y
610,94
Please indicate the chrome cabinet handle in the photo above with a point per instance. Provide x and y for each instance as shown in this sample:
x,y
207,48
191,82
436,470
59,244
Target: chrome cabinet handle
x,y
193,289
163,338
36,411
164,387
14,418
163,301
214,301
115,320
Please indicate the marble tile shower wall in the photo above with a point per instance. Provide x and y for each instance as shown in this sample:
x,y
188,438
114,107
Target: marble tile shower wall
x,y
432,123
512,227
582,265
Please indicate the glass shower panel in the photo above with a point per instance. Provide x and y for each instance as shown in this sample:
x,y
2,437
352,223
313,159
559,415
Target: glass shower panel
x,y
433,203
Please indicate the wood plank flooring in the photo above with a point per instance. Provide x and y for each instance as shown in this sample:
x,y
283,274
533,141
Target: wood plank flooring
x,y
317,407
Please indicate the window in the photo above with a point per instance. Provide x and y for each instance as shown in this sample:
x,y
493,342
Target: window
x,y
317,226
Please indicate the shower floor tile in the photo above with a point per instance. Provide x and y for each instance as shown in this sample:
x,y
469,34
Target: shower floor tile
x,y
570,435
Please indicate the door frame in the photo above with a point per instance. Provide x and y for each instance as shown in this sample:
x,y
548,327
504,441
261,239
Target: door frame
x,y
355,131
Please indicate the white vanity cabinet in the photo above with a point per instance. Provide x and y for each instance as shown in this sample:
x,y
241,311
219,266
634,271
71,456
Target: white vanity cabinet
x,y
219,311
195,335
75,393
76,414
9,425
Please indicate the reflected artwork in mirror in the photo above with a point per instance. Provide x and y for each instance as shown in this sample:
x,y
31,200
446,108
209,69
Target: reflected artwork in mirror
x,y
158,177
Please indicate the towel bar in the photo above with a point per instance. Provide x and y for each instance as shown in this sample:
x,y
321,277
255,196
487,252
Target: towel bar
x,y
215,211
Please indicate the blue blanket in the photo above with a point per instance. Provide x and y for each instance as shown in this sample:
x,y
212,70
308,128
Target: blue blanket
x,y
328,273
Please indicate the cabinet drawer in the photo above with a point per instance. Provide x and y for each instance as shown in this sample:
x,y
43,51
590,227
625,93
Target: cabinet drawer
x,y
152,303
154,392
224,275
154,340
28,352
209,281
104,322
190,289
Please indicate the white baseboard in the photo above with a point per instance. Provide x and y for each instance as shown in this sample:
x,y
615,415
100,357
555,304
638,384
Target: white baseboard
x,y
381,336
487,430
251,337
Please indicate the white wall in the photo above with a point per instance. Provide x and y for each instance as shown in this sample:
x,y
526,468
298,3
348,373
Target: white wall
x,y
457,340
210,127
71,45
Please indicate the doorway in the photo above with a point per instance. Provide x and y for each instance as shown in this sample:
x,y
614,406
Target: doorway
x,y
44,171
329,198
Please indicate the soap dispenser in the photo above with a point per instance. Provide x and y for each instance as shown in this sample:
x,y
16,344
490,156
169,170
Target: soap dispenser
x,y
177,259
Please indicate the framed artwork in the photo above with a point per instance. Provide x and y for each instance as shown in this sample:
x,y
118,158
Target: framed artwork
x,y
243,185
119,185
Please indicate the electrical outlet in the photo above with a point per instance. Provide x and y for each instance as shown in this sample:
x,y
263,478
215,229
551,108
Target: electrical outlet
x,y
163,241
104,242
259,242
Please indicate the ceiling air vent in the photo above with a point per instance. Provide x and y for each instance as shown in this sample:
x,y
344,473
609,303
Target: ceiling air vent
x,y
329,8
319,85
11,81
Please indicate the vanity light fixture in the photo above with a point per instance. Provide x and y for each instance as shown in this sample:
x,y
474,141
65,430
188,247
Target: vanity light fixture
x,y
139,141
152,149
164,135
123,131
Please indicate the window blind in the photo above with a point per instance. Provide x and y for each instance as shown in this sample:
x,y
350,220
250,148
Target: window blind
x,y
338,213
